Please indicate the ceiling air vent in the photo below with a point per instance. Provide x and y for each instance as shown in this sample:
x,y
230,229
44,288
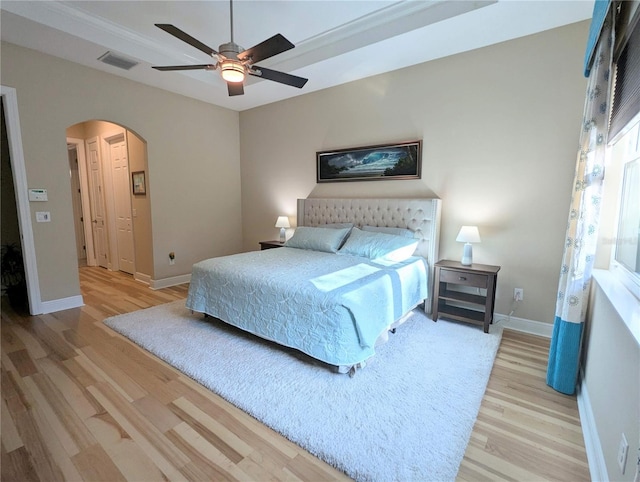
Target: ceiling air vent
x,y
118,61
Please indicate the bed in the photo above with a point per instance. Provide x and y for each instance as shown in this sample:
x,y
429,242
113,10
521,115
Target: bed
x,y
337,287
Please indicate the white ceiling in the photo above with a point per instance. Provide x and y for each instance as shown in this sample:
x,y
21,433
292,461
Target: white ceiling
x,y
336,41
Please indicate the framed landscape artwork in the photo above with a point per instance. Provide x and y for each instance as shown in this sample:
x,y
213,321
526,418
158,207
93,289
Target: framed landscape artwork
x,y
370,163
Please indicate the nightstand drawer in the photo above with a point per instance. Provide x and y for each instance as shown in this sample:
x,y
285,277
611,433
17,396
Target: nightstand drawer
x,y
271,244
463,278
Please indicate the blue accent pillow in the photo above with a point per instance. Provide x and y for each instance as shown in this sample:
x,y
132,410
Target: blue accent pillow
x,y
336,225
406,233
317,239
378,245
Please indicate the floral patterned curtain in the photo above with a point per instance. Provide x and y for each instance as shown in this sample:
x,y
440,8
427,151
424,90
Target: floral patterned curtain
x,y
584,214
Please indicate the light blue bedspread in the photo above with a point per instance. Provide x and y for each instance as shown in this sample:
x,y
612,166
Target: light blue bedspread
x,y
329,306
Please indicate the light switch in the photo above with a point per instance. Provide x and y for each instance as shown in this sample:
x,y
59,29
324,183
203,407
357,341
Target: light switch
x,y
43,216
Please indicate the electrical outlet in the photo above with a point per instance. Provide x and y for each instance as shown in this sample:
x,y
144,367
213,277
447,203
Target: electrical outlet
x,y
623,450
518,294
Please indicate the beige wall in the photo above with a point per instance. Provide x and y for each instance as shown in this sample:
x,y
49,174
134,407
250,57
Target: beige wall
x,y
500,130
141,206
611,361
193,162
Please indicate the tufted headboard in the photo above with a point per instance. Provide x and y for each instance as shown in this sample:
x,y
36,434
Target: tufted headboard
x,y
419,215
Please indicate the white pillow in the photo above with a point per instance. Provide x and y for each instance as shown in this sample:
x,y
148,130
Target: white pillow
x,y
374,245
317,239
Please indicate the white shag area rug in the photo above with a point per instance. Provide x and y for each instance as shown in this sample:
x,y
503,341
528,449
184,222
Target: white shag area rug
x,y
407,416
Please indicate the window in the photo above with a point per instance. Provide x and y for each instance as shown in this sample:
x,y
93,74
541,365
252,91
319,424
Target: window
x,y
626,254
624,135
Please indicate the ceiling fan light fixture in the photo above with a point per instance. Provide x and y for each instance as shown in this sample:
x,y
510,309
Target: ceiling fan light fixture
x,y
234,62
232,71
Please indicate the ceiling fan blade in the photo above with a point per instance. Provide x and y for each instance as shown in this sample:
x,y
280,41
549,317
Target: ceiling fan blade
x,y
270,47
186,67
185,37
281,77
235,88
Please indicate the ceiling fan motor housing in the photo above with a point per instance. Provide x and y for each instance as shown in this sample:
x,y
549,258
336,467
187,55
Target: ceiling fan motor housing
x,y
230,50
231,69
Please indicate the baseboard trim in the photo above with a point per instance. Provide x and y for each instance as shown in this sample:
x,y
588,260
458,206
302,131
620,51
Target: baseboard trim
x,y
143,278
158,284
593,448
61,304
524,325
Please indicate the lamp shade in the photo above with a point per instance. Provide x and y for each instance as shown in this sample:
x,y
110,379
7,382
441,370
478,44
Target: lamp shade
x,y
468,234
282,222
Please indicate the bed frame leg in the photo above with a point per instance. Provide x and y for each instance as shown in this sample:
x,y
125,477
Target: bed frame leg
x,y
354,369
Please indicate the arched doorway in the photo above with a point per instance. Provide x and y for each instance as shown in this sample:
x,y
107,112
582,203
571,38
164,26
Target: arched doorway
x,y
112,220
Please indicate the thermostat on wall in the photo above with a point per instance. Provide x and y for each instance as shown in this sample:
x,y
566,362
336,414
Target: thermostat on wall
x,y
38,195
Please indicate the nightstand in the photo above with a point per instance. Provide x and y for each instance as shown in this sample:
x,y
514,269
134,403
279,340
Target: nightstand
x,y
454,295
270,244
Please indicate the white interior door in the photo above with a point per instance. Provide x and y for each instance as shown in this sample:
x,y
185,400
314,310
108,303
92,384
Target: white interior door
x,y
122,199
76,201
96,199
85,204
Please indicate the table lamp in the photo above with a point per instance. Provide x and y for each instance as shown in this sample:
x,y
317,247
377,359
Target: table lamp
x,y
283,224
468,235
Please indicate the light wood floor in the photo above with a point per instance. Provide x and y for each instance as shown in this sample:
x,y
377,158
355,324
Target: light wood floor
x,y
80,402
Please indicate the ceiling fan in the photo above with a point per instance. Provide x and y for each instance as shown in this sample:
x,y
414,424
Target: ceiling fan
x,y
234,63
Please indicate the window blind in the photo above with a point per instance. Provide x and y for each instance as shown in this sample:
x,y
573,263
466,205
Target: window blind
x,y
626,91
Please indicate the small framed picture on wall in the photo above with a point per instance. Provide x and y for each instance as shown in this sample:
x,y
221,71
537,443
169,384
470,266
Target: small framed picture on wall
x,y
139,184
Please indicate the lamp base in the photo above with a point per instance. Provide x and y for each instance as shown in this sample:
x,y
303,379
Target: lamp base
x,y
467,255
282,235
